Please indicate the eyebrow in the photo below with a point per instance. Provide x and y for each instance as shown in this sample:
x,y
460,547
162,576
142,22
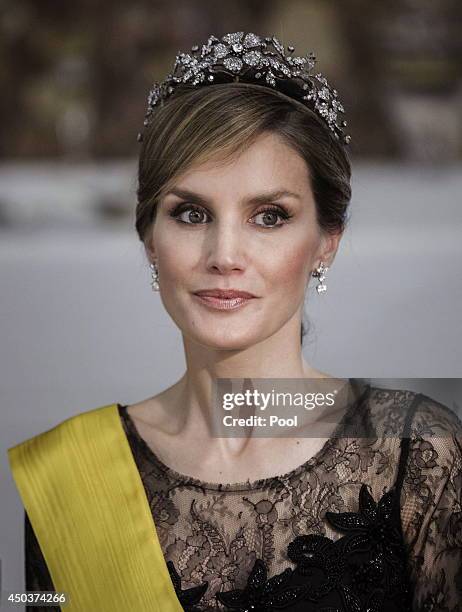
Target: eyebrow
x,y
257,199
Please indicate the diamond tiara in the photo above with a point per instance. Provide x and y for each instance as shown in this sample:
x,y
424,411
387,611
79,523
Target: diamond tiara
x,y
251,59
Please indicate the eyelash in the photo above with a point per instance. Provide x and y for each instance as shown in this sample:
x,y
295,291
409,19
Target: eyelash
x,y
279,210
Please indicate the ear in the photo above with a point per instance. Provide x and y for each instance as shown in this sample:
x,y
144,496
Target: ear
x,y
150,250
328,248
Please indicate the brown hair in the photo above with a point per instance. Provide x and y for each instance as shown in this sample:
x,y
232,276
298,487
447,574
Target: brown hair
x,y
198,123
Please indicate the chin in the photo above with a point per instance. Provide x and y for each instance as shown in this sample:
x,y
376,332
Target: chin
x,y
225,339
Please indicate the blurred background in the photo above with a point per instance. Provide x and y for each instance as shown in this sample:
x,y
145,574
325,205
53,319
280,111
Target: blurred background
x,y
73,75
80,326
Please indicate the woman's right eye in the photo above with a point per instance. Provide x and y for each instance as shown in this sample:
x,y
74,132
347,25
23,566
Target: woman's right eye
x,y
191,215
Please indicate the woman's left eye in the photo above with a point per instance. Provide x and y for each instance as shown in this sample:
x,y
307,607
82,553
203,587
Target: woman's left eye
x,y
273,213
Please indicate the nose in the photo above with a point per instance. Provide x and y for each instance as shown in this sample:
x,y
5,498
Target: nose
x,y
225,248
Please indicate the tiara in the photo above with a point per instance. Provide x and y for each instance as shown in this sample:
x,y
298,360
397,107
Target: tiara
x,y
251,59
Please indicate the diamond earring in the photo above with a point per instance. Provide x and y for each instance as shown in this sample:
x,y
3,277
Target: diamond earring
x,y
154,277
320,274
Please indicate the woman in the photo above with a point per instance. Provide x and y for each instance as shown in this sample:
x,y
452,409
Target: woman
x,y
244,187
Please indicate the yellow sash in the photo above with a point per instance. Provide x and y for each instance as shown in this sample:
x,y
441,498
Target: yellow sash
x,y
87,505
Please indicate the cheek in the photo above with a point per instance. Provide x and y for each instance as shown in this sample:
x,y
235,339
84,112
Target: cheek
x,y
177,265
177,257
288,268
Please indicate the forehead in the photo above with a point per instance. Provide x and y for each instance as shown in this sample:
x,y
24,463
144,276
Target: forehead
x,y
267,163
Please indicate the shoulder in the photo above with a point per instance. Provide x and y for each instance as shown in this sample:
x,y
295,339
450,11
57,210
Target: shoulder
x,y
159,412
436,438
436,419
424,413
434,429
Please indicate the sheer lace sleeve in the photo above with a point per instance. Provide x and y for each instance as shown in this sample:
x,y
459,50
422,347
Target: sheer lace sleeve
x,y
36,571
433,509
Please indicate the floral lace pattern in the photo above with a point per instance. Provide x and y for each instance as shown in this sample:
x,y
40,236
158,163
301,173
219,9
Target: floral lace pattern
x,y
371,522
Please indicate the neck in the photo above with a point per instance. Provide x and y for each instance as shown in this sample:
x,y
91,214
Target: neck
x,y
279,356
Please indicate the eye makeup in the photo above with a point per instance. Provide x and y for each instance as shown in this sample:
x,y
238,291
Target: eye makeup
x,y
276,210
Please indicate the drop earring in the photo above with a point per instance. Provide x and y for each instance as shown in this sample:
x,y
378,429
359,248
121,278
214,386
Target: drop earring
x,y
154,277
319,273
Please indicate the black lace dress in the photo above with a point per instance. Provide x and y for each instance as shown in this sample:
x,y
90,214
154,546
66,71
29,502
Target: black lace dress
x,y
372,522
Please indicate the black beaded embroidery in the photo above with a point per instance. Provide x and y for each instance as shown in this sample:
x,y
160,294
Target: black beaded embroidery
x,y
362,571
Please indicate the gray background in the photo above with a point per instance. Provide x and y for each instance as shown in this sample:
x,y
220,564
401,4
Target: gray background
x,y
81,328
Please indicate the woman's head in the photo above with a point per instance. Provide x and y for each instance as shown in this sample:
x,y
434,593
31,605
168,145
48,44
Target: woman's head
x,y
226,145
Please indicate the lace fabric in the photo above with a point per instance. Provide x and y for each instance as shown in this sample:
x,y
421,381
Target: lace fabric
x,y
371,522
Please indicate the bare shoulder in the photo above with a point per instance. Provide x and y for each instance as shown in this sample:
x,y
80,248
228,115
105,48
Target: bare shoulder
x,y
153,412
144,409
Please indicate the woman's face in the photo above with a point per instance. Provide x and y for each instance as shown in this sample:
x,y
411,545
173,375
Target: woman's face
x,y
213,230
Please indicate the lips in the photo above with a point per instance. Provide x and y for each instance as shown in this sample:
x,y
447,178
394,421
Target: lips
x,y
224,294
